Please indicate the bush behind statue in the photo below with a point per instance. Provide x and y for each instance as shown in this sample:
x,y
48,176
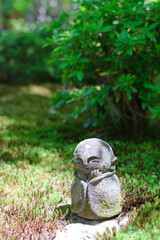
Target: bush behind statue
x,y
109,51
23,59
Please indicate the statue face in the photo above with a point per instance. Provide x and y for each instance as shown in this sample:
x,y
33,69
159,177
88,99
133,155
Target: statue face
x,y
92,155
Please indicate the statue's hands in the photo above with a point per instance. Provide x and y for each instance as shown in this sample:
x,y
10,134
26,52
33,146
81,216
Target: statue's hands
x,y
94,173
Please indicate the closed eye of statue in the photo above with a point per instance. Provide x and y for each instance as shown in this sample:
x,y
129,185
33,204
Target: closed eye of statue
x,y
93,159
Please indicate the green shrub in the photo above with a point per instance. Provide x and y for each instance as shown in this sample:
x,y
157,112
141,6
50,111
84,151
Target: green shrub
x,y
23,59
110,51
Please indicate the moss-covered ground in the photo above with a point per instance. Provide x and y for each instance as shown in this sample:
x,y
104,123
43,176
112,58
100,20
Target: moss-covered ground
x,y
36,171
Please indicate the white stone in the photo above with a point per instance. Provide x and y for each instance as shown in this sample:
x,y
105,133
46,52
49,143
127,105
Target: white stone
x,y
80,231
124,221
84,229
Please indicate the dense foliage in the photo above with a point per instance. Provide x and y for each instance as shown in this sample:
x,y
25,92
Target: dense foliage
x,y
23,59
109,51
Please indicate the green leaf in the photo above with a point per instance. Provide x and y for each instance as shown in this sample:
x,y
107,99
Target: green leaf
x,y
76,93
107,28
106,89
123,35
155,112
144,105
158,47
129,96
100,100
117,97
63,16
92,101
57,49
89,91
84,60
64,64
106,73
116,87
74,73
80,75
100,23
70,100
152,26
129,51
59,103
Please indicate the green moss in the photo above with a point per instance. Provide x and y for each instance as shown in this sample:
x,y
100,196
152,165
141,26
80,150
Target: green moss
x,y
107,209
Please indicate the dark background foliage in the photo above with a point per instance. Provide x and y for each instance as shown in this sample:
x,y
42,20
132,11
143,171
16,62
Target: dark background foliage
x,y
23,33
23,59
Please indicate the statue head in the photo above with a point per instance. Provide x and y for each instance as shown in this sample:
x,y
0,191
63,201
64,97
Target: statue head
x,y
94,154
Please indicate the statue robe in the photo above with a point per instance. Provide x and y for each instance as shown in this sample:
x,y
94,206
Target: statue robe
x,y
98,198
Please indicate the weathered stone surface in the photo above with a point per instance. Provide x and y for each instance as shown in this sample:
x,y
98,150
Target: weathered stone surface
x,y
88,229
95,191
79,231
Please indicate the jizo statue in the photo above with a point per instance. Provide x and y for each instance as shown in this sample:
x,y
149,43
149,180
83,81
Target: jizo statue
x,y
95,191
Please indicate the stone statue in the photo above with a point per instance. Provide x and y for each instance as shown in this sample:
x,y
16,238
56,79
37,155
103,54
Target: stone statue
x,y
95,191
